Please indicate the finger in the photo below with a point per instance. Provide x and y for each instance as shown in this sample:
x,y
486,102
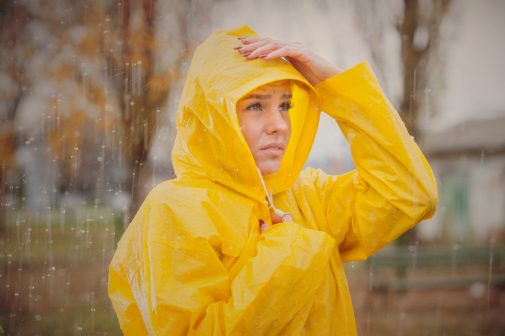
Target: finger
x,y
276,219
286,51
287,218
263,227
253,45
249,40
265,49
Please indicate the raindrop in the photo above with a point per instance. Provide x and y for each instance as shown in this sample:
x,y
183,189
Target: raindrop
x,y
477,290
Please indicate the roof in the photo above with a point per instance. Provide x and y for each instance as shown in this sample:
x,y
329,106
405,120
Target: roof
x,y
476,136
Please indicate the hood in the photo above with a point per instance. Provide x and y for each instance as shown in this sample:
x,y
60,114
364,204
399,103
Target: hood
x,y
209,143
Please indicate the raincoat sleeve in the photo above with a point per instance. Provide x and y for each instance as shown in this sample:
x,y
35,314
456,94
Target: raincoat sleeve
x,y
392,187
183,288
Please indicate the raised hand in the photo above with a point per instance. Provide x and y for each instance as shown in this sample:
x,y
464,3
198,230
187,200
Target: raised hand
x,y
313,67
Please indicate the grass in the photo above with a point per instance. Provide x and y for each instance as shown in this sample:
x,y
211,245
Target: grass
x,y
53,275
418,312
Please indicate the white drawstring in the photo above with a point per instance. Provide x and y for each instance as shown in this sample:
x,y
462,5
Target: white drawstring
x,y
271,205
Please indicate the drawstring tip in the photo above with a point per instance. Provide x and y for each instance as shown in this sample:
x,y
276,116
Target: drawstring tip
x,y
279,212
286,217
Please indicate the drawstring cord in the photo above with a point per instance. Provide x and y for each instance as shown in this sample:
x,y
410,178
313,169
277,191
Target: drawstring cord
x,y
270,200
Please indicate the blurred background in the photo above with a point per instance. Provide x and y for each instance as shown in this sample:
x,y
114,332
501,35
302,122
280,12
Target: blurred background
x,y
88,97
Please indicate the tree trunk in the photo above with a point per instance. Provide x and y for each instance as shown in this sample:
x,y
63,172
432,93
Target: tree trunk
x,y
3,213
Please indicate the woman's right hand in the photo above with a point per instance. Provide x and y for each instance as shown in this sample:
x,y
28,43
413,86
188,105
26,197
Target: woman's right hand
x,y
312,66
276,219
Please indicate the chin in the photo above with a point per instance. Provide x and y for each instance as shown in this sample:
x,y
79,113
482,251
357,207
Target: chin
x,y
269,167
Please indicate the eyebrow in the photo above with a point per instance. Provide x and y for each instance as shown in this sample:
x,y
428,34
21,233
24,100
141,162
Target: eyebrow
x,y
260,96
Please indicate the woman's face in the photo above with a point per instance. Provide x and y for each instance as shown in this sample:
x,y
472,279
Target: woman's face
x,y
263,115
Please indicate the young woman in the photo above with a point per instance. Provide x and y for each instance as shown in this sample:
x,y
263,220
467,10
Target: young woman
x,y
245,242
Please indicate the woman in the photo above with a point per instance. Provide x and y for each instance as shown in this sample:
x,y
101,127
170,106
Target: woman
x,y
243,242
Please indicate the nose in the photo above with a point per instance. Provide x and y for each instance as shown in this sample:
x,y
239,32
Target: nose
x,y
276,122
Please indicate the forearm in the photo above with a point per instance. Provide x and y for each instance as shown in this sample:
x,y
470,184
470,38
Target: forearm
x,y
385,155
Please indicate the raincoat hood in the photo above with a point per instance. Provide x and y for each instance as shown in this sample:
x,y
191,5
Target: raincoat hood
x,y
209,143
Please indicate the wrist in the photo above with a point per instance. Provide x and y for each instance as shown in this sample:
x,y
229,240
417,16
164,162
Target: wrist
x,y
328,72
324,70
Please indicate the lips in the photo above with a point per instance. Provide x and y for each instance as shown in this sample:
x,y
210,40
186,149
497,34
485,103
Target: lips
x,y
273,145
274,148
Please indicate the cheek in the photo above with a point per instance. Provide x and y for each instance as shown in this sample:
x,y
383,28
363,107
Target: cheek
x,y
251,133
288,122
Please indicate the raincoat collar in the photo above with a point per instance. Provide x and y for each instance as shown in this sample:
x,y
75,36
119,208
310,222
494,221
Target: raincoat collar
x,y
209,143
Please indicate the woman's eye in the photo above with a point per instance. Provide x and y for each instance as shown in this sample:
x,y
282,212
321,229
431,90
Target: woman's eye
x,y
254,107
286,106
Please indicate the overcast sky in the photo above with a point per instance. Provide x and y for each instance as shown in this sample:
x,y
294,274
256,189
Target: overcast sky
x,y
475,65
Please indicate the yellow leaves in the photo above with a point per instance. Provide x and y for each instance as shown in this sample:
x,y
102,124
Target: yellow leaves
x,y
73,128
62,72
159,85
109,83
160,81
89,44
96,95
140,46
67,134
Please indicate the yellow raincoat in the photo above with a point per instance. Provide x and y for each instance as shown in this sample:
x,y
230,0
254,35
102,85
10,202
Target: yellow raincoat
x,y
193,262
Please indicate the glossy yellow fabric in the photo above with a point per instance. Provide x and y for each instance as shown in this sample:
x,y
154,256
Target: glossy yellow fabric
x,y
192,261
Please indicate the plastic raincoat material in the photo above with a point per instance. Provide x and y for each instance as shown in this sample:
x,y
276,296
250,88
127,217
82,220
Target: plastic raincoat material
x,y
193,261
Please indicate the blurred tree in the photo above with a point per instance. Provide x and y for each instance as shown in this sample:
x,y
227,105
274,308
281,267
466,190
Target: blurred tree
x,y
132,44
420,35
91,78
130,48
41,104
13,84
417,24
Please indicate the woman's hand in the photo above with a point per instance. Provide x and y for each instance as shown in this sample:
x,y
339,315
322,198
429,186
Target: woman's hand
x,y
276,219
313,67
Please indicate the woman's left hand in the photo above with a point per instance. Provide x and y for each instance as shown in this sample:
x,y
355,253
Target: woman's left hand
x,y
313,67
